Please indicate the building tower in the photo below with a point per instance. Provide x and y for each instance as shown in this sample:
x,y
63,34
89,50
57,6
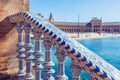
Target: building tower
x,y
96,25
51,20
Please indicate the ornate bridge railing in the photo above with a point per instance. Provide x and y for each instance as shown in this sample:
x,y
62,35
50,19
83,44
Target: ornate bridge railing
x,y
81,57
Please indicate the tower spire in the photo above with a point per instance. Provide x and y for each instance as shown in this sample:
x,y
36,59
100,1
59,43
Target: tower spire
x,y
51,18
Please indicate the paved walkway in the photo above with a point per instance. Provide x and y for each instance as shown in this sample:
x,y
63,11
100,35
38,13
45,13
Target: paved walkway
x,y
91,35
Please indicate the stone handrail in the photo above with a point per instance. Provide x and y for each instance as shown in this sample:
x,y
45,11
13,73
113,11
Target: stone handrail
x,y
82,56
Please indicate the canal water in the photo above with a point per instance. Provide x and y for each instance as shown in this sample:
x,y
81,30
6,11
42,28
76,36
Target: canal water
x,y
107,48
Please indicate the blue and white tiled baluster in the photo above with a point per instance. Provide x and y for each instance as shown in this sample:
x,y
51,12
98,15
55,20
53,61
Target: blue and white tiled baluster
x,y
48,64
61,69
76,70
20,50
28,46
38,53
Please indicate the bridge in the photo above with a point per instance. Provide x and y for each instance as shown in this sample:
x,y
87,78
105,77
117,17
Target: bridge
x,y
81,57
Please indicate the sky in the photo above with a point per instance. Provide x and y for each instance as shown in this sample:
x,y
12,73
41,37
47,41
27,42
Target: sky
x,y
69,10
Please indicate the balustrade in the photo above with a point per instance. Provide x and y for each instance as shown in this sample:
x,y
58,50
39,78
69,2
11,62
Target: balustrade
x,y
93,64
25,52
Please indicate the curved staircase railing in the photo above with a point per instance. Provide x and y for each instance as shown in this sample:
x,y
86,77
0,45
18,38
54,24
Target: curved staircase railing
x,y
82,58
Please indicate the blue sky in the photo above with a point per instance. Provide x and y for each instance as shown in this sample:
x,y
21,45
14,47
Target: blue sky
x,y
68,10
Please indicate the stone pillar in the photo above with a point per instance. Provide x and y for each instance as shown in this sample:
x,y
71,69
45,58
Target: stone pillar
x,y
21,50
48,64
61,70
38,53
28,46
75,71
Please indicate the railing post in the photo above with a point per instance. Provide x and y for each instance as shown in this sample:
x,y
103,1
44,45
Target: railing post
x,y
20,50
38,53
48,64
75,71
28,46
61,70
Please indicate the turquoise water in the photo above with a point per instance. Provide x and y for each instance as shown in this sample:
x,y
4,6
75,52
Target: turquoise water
x,y
107,48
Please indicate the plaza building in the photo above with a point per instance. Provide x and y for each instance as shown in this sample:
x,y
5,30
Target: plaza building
x,y
95,25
